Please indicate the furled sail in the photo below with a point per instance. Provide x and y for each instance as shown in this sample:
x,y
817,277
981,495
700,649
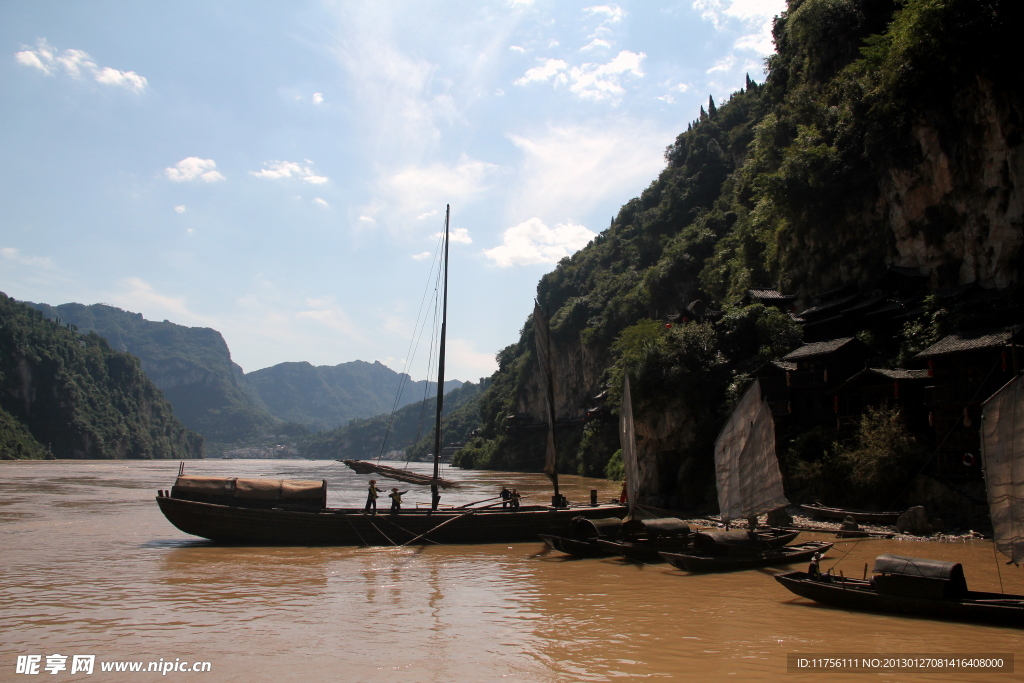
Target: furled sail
x,y
1002,445
627,439
542,342
746,468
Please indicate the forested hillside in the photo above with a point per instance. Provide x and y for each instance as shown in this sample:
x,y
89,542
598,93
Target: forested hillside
x,y
411,430
192,366
69,395
328,396
886,134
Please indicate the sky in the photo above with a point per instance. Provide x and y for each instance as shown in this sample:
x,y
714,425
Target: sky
x,y
279,171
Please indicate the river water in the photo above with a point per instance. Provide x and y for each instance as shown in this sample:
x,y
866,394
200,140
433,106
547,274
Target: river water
x,y
90,566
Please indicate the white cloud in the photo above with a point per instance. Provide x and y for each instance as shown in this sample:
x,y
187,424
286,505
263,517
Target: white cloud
x,y
138,295
568,170
462,355
533,242
321,202
416,188
77,64
595,44
15,256
549,70
614,13
671,90
318,98
427,214
192,168
276,170
457,235
332,317
180,208
724,64
422,255
516,48
367,219
590,81
751,19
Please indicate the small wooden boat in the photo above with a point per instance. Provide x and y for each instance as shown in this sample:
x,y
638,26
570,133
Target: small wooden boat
x,y
580,539
790,554
860,516
367,467
913,587
652,548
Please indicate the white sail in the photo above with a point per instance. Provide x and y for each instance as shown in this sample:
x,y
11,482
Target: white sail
x,y
746,468
1002,446
627,439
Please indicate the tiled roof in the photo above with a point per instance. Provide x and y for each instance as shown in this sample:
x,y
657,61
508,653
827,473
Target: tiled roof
x,y
899,373
818,349
959,342
770,295
829,305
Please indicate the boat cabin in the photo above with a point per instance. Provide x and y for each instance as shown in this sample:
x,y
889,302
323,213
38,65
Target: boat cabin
x,y
914,577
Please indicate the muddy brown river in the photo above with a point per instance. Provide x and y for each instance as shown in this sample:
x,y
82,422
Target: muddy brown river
x,y
89,567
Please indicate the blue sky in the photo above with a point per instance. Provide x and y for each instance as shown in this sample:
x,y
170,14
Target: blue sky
x,y
279,170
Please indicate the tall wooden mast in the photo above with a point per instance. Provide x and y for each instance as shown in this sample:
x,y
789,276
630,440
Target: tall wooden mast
x,y
435,497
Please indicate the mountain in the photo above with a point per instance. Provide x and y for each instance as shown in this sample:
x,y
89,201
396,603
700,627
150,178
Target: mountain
x,y
72,395
192,366
888,136
325,397
412,429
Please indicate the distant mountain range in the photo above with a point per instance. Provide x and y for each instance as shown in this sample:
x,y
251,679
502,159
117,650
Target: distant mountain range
x,y
211,394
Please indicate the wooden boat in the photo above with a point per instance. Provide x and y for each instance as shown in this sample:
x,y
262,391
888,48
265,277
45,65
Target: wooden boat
x,y
790,554
938,590
282,512
860,516
652,550
913,587
273,523
368,467
582,536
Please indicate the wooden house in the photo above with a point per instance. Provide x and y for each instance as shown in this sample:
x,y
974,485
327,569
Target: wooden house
x,y
820,368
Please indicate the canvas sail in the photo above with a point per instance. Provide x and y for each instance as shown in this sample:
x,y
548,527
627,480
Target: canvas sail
x,y
1002,445
542,342
627,439
746,468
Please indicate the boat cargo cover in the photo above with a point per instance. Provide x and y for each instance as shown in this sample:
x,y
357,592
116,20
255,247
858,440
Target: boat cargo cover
x,y
255,489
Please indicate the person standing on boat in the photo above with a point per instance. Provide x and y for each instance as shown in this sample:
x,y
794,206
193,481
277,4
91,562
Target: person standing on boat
x,y
396,499
371,496
506,497
515,496
813,571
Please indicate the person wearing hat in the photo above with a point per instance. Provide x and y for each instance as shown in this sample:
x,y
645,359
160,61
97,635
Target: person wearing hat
x,y
396,499
371,496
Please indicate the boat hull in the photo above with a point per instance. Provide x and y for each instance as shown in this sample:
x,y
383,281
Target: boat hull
x,y
860,516
574,546
696,563
241,525
854,594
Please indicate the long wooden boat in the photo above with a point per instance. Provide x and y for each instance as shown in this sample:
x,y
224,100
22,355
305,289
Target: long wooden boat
x,y
699,562
861,516
653,550
367,467
857,594
237,524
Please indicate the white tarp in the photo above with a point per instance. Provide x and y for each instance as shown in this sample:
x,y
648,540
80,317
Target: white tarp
x,y
746,469
627,439
1002,446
